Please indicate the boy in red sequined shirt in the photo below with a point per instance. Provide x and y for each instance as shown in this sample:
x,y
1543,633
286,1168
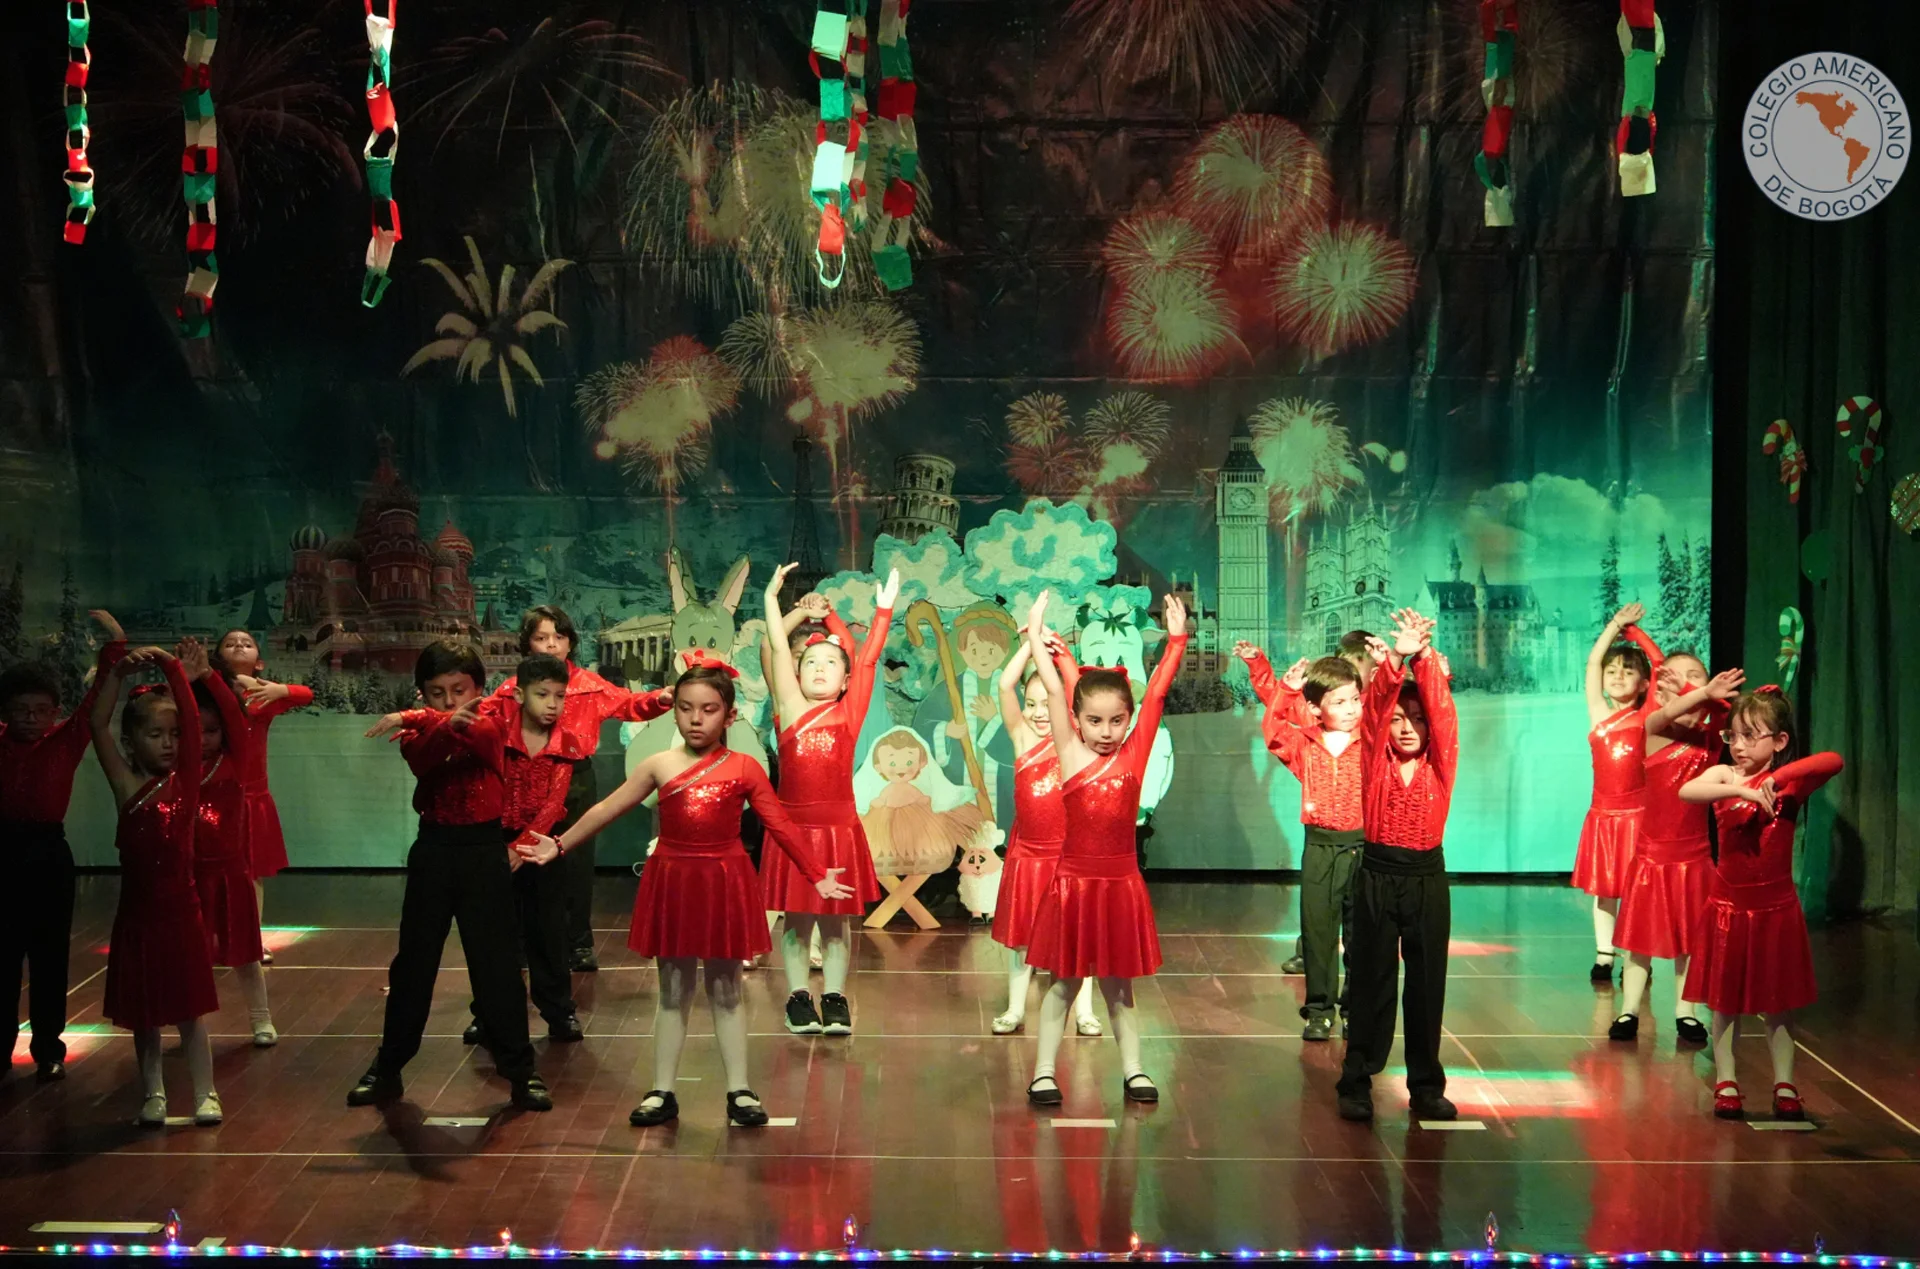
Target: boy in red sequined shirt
x,y
457,871
1410,742
1323,753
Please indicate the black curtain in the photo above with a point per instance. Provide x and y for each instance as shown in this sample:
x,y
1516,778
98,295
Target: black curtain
x,y
1809,314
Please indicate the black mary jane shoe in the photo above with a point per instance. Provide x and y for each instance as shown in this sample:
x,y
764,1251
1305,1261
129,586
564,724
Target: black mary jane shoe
x,y
1689,1031
1625,1027
1602,971
1048,1096
1138,1088
744,1108
644,1117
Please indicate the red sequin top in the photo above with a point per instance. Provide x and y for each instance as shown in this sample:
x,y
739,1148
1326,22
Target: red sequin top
x,y
700,810
221,836
816,753
1102,799
591,701
1667,818
1757,849
461,771
1619,741
36,776
537,783
1330,784
259,719
1409,813
155,832
1039,811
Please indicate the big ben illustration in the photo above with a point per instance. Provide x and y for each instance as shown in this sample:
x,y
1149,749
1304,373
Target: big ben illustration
x,y
1241,515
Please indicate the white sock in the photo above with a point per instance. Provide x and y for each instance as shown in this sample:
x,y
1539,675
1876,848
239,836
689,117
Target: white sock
x,y
1682,1007
146,1056
1083,1003
1633,983
1605,911
836,953
1126,1024
729,1020
1723,1029
199,1048
1780,1045
1019,976
253,986
672,1009
793,950
1053,1024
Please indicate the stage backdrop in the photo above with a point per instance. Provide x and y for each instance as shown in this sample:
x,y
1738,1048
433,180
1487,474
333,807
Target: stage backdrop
x,y
1202,299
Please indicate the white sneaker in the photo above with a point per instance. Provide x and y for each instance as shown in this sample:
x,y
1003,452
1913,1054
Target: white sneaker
x,y
208,1112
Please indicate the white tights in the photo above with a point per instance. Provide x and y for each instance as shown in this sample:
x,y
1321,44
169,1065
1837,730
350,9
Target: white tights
x,y
1120,1014
198,1048
1634,985
674,1007
1605,913
835,948
253,986
1020,974
1779,1045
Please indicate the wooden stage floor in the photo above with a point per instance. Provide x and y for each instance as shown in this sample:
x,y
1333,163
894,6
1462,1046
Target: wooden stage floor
x,y
918,1128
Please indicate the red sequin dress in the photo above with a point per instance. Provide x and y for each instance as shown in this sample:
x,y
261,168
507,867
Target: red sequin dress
x,y
1752,953
159,970
1604,860
1666,888
266,843
1096,918
816,787
698,895
222,863
1033,853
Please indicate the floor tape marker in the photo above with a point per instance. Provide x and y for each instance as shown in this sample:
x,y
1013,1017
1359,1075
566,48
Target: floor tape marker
x,y
1082,1123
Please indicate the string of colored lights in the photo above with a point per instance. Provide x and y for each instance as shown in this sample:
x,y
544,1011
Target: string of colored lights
x,y
508,1250
199,169
79,175
1500,29
1643,43
383,146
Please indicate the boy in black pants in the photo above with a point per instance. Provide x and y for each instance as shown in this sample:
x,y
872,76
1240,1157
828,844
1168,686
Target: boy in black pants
x,y
457,871
1401,907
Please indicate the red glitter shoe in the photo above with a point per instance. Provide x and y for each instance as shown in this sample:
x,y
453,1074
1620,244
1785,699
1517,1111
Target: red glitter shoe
x,y
1726,1101
1786,1103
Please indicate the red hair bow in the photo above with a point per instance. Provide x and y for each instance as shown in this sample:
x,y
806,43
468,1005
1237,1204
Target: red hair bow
x,y
1764,688
701,659
142,689
817,637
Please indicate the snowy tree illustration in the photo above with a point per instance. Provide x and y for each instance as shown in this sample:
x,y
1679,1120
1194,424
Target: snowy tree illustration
x,y
1609,596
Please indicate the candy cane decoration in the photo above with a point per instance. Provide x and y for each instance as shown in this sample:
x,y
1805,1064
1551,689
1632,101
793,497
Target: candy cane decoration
x,y
900,198
1793,462
199,169
1793,628
1499,28
78,176
383,146
1862,412
1643,43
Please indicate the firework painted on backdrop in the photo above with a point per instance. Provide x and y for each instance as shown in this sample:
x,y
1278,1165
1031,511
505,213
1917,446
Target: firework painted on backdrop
x,y
490,328
1103,461
1228,48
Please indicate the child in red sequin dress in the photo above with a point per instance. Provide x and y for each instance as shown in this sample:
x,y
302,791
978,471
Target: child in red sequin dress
x,y
1039,830
1619,688
698,898
222,864
159,967
1666,887
1096,920
1753,955
821,704
238,657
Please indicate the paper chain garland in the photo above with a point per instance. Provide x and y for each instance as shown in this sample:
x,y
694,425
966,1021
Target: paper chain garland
x,y
1863,412
383,146
1500,28
839,183
1643,42
1793,629
898,200
1793,461
78,176
200,169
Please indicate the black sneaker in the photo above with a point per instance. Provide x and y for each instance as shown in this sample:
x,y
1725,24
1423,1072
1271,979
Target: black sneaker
x,y
645,1116
531,1094
801,1018
584,961
1625,1027
1356,1107
50,1072
1434,1106
1294,965
1689,1031
473,1034
1318,1029
566,1031
744,1108
836,1015
375,1087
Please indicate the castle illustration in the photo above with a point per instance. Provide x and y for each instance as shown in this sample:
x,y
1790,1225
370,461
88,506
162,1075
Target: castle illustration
x,y
1349,575
370,600
1500,636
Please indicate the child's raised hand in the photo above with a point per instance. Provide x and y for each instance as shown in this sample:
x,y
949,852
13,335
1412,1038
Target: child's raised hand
x,y
1176,613
1630,615
1725,685
814,604
1037,616
886,592
1408,635
1377,649
779,579
1055,645
257,691
387,723
469,710
831,887
1296,676
1246,651
192,655
143,656
105,621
